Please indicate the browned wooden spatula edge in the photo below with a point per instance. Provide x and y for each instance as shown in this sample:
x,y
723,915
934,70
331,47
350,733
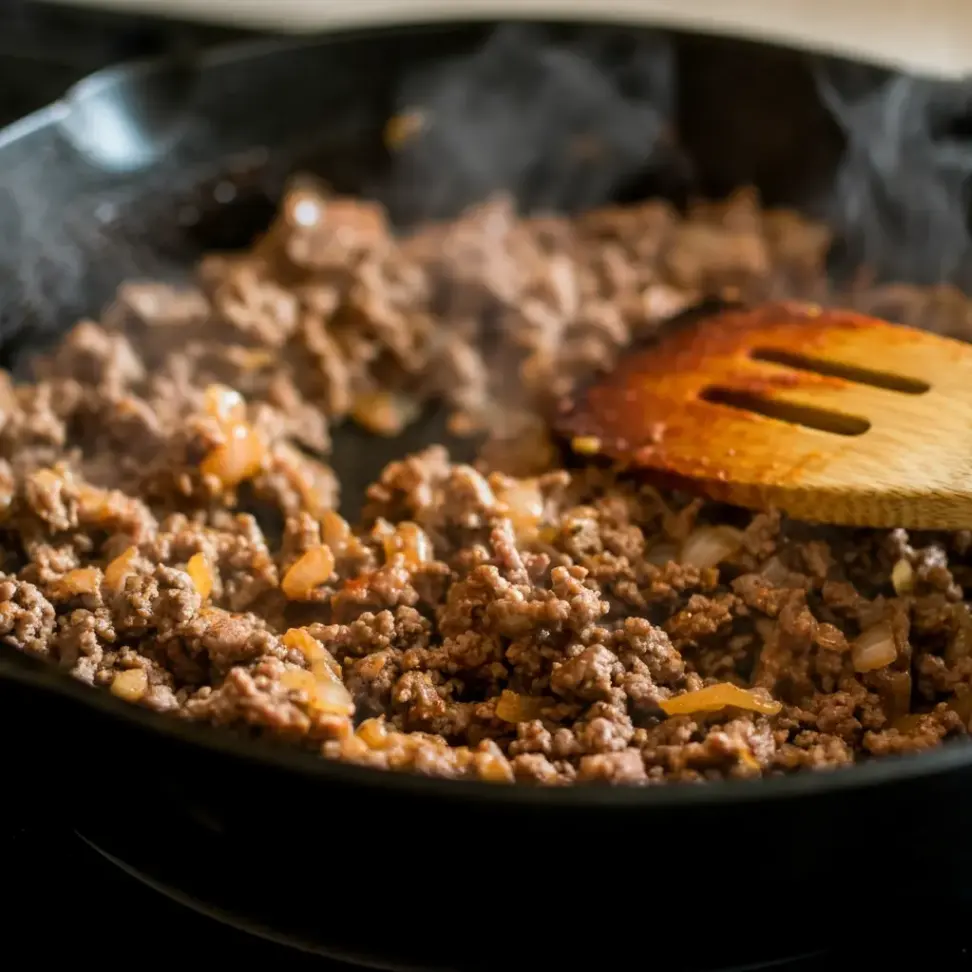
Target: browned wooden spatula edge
x,y
900,455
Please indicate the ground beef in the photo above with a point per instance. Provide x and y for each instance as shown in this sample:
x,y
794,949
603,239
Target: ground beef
x,y
169,532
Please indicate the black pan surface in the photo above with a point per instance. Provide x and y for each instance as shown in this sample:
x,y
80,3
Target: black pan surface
x,y
403,871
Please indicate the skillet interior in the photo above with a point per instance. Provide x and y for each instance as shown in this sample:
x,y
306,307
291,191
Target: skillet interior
x,y
76,224
365,852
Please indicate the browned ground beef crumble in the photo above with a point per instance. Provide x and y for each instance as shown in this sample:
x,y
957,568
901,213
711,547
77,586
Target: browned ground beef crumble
x,y
474,624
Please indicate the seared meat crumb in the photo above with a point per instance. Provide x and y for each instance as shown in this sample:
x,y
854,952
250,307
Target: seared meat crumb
x,y
168,524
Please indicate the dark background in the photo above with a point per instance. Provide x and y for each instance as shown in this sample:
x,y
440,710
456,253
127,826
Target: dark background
x,y
65,900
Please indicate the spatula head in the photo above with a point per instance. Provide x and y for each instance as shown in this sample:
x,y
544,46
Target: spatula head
x,y
828,415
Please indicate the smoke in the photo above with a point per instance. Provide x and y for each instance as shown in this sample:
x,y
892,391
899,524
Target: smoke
x,y
900,198
557,125
566,122
560,118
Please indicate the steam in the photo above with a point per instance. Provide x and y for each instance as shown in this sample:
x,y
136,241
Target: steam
x,y
561,119
558,126
900,199
515,115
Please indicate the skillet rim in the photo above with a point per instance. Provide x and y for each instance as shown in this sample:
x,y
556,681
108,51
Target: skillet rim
x,y
40,675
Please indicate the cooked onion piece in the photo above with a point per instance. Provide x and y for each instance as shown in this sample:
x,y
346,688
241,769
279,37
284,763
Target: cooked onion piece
x,y
307,573
409,543
522,503
903,577
236,460
513,707
120,568
715,697
709,546
874,648
321,661
201,574
130,685
84,580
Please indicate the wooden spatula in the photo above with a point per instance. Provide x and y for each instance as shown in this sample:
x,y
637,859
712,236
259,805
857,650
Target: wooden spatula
x,y
827,415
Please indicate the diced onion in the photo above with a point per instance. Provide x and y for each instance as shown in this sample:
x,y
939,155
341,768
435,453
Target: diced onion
x,y
326,697
335,531
46,480
523,505
479,485
715,697
513,707
493,768
307,573
321,661
201,574
374,733
237,459
903,577
299,680
84,580
333,698
708,546
130,684
874,648
120,568
226,405
93,503
408,542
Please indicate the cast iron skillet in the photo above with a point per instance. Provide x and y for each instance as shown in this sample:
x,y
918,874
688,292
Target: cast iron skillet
x,y
390,869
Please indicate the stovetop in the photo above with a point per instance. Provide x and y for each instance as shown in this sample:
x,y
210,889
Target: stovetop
x,y
67,900
64,898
